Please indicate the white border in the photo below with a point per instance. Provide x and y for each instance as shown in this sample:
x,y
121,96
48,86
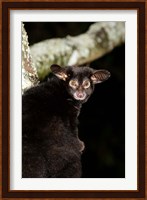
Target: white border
x,y
130,180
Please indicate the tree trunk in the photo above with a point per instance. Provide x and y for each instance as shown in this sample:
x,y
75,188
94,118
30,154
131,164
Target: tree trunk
x,y
29,71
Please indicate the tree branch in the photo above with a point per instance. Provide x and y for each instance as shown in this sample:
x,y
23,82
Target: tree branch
x,y
101,38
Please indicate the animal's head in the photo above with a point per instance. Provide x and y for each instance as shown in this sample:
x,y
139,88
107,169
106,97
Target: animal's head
x,y
80,81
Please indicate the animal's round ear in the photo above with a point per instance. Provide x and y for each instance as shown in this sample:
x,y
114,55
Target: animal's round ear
x,y
59,71
100,75
55,68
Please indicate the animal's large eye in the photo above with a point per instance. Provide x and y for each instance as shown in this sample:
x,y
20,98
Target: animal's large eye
x,y
86,84
73,83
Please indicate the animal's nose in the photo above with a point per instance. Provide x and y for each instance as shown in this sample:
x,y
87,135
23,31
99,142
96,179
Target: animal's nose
x,y
80,94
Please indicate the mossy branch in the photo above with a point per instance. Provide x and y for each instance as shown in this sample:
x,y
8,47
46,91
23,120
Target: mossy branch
x,y
101,38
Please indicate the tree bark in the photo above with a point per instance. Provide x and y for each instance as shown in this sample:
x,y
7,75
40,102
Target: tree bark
x,y
101,38
29,71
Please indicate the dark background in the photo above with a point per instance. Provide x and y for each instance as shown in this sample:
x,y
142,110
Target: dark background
x,y
102,118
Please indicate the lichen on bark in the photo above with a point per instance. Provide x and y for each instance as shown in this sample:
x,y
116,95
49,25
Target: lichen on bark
x,y
101,38
29,71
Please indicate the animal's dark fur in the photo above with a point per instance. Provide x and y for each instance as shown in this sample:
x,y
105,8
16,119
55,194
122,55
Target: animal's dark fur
x,y
50,143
